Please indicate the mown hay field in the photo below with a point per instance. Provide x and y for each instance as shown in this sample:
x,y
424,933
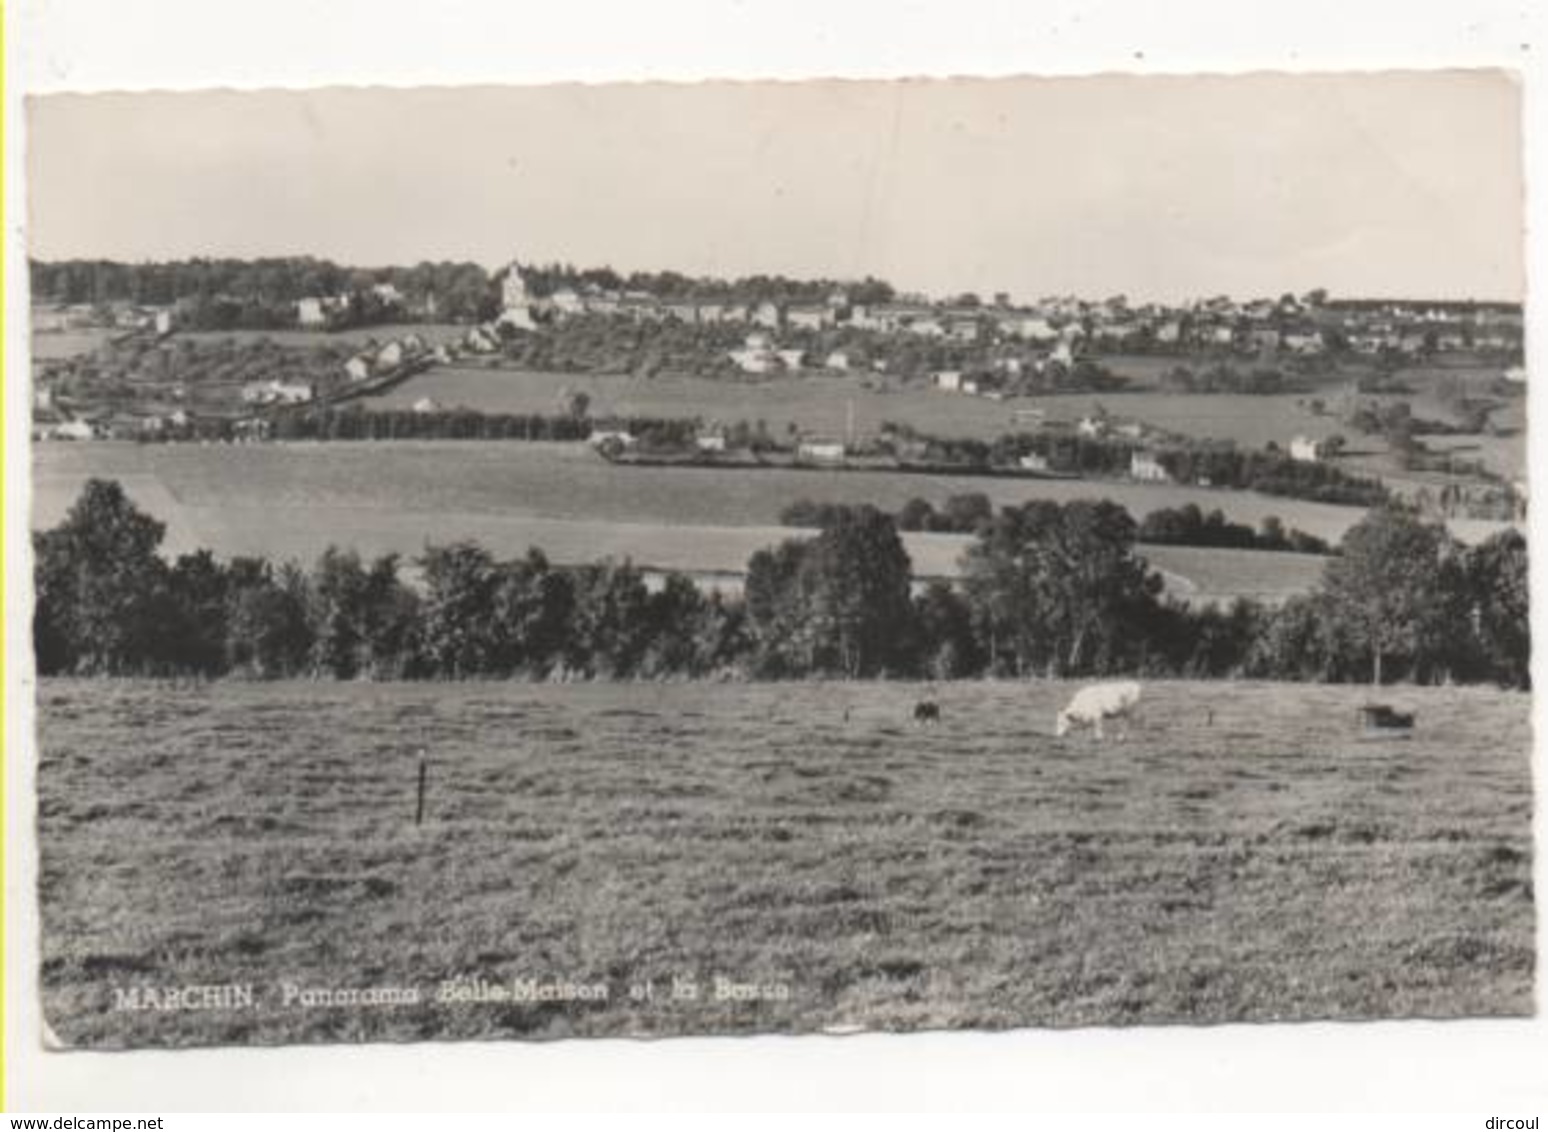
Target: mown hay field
x,y
807,840
293,501
570,481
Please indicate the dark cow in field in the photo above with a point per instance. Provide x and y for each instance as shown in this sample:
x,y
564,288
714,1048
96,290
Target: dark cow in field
x,y
927,711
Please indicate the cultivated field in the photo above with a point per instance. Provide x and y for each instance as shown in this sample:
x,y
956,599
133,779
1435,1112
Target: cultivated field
x,y
570,481
806,839
293,501
822,404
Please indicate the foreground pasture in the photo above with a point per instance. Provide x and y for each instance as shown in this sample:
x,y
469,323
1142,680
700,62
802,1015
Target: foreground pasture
x,y
807,840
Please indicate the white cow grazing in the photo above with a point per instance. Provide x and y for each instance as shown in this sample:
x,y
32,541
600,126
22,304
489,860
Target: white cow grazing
x,y
1098,702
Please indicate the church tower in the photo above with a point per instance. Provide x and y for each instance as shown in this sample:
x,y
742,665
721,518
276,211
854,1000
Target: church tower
x,y
513,292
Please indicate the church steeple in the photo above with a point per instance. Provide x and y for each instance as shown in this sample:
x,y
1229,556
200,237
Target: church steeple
x,y
513,292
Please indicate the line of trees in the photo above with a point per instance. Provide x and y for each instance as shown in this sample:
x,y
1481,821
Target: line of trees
x,y
261,294
1047,589
1216,464
971,512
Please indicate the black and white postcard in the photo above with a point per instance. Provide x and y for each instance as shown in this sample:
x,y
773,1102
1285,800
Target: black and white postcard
x,y
549,562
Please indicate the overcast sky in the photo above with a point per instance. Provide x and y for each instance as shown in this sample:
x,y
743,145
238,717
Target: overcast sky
x,y
1169,188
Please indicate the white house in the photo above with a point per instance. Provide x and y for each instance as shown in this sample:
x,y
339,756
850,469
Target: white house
x,y
791,359
752,360
766,314
566,301
427,405
1032,462
837,360
948,379
311,312
1029,327
822,451
390,356
809,317
710,442
1145,467
358,368
1305,449
1302,343
75,429
277,393
163,323
1092,426
1169,332
601,436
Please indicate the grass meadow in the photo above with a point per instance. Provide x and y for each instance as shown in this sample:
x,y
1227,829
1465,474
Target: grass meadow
x,y
1265,865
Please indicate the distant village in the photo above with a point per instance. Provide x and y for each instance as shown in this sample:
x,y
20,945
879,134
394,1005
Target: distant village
x,y
993,347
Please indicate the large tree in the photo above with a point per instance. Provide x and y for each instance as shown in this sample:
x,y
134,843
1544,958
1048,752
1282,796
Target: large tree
x,y
838,603
1497,579
1389,588
102,595
1060,588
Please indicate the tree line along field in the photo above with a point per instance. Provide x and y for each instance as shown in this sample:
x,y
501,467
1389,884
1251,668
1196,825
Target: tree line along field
x,y
558,480
293,500
1265,865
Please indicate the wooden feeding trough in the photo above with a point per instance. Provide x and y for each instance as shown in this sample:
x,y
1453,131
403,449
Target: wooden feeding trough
x,y
1382,721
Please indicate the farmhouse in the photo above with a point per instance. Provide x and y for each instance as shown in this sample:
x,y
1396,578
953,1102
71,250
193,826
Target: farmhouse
x,y
76,429
311,312
791,359
1303,343
567,302
949,380
358,368
390,356
1032,328
1144,466
603,436
710,442
820,450
1032,462
1306,450
837,360
809,317
766,314
277,392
